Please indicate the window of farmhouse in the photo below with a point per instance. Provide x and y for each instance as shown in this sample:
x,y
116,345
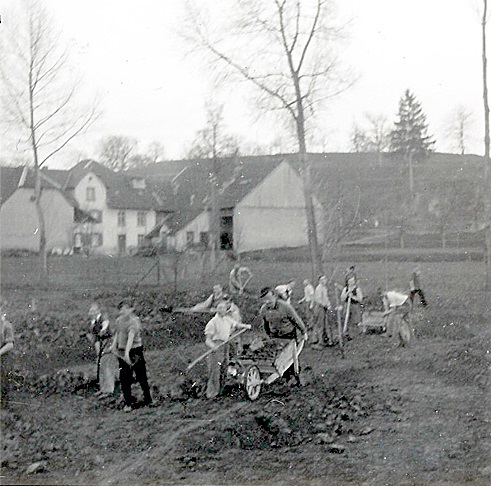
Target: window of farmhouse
x,y
141,218
204,238
190,238
121,218
97,215
141,240
90,194
96,239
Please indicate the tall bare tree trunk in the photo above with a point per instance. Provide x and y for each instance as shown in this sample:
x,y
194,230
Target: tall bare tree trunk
x,y
411,175
315,254
214,223
487,162
43,257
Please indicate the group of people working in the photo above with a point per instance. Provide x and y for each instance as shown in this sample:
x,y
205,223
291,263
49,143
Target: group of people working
x,y
119,348
321,316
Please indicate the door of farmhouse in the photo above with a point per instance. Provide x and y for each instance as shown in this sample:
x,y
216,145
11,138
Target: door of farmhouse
x,y
121,244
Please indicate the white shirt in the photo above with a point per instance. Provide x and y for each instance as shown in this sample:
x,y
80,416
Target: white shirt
x,y
321,297
308,294
395,299
220,328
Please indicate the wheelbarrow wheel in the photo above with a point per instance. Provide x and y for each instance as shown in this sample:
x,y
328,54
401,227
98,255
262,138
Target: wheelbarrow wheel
x,y
252,382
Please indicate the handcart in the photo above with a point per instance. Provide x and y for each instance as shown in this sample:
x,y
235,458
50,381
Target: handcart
x,y
254,368
374,322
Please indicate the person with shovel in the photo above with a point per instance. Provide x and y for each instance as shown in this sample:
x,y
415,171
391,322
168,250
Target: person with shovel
x,y
353,296
128,347
218,332
323,334
99,336
238,279
211,302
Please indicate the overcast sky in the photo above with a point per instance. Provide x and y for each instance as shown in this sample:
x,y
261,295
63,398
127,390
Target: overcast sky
x,y
129,52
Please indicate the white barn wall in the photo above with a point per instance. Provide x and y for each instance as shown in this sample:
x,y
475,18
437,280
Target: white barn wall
x,y
19,221
273,214
199,224
263,228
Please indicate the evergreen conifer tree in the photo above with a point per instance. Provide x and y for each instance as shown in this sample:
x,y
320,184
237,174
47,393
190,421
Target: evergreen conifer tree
x,y
410,134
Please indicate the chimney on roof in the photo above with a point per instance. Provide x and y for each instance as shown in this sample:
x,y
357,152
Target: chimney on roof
x,y
138,183
23,176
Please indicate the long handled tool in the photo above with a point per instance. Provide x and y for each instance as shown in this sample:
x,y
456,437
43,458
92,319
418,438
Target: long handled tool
x,y
243,285
185,310
346,317
339,309
99,357
204,355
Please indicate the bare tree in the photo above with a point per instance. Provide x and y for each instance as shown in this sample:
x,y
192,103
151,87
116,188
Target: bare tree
x,y
213,143
487,160
39,95
293,75
359,140
339,219
116,152
374,138
445,209
459,127
156,152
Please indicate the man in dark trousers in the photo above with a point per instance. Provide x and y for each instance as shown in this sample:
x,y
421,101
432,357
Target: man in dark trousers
x,y
128,347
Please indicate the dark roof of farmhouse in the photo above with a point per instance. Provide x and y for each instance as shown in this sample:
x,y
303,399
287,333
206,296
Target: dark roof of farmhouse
x,y
185,186
9,181
22,177
119,189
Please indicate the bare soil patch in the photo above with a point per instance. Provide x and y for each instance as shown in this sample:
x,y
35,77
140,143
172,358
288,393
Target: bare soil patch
x,y
380,415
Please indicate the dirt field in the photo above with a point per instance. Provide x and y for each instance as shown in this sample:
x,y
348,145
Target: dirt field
x,y
380,415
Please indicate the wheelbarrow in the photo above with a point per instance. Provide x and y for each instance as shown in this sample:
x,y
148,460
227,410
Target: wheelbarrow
x,y
374,322
253,370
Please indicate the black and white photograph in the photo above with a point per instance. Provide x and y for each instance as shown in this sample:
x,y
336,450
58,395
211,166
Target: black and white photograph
x,y
245,242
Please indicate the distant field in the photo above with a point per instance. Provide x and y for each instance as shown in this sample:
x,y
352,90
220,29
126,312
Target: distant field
x,y
79,272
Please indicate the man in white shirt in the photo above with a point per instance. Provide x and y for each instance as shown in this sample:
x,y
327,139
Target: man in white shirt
x,y
217,332
100,336
308,302
397,307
